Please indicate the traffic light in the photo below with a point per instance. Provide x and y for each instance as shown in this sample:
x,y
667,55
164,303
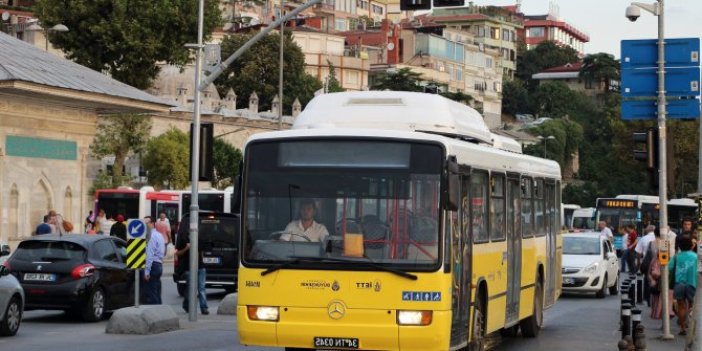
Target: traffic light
x,y
206,169
449,3
650,152
412,5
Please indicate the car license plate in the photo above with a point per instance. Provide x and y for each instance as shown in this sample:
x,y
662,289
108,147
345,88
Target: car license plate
x,y
43,277
568,281
336,343
211,260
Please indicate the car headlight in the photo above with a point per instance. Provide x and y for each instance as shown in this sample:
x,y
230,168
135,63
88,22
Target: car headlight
x,y
414,317
263,313
591,268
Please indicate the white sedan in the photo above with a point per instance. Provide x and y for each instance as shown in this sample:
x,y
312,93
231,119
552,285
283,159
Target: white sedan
x,y
589,264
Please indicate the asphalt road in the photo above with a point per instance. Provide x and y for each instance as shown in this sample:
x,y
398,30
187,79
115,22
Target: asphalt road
x,y
575,323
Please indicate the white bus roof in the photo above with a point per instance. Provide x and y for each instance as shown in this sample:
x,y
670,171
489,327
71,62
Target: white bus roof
x,y
643,198
571,206
584,212
682,202
394,110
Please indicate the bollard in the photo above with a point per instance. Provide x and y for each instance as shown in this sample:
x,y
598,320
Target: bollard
x,y
626,321
632,292
640,338
635,319
625,301
629,343
623,345
639,288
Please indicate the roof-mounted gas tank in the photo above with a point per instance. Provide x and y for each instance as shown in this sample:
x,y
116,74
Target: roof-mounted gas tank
x,y
394,110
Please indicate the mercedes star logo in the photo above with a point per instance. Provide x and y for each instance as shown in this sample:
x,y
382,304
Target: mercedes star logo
x,y
39,267
336,309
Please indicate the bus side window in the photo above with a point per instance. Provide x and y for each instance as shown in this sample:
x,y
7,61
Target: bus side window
x,y
497,208
479,206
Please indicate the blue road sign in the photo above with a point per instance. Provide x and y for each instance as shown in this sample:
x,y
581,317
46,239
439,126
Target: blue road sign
x,y
679,52
684,81
648,109
136,228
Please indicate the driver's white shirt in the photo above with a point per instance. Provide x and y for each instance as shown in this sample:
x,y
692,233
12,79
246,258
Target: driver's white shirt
x,y
296,232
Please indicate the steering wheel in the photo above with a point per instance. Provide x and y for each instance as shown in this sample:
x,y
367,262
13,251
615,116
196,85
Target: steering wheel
x,y
277,235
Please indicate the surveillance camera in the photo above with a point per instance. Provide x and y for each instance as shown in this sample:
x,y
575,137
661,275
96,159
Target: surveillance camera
x,y
633,13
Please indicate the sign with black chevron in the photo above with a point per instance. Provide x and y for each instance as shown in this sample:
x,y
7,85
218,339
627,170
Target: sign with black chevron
x,y
136,253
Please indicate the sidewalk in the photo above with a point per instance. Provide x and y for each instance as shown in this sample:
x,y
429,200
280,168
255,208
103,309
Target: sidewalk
x,y
654,330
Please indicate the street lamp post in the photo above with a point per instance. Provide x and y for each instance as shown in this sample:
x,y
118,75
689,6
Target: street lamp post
x,y
545,140
35,27
633,13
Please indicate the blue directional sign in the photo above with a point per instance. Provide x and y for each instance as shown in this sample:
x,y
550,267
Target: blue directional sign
x,y
639,83
648,109
684,81
136,228
681,52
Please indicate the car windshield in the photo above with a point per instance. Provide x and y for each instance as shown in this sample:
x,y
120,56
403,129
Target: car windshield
x,y
49,251
583,223
359,200
581,245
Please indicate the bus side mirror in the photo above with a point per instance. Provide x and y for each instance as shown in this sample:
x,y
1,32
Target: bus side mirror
x,y
236,195
454,183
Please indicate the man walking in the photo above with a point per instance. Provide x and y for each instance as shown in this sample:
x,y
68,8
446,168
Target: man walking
x,y
155,251
44,227
605,232
183,253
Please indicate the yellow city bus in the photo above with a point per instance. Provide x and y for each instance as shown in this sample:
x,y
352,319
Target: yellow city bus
x,y
394,221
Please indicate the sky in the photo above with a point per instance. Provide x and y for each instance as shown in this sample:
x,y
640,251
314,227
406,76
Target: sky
x,y
606,24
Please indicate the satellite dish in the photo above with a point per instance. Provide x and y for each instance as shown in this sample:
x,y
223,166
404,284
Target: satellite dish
x,y
391,46
5,16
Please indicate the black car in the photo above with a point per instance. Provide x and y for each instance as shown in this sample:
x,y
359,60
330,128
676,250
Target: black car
x,y
77,273
218,240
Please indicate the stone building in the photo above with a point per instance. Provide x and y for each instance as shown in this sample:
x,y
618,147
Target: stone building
x,y
49,108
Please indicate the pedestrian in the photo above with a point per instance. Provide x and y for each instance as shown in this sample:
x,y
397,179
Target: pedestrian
x,y
53,221
605,231
183,253
645,253
631,240
654,281
619,247
44,227
163,226
687,231
683,269
119,229
89,222
155,252
101,222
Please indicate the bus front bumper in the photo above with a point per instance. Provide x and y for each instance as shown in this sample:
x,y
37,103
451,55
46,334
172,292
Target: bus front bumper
x,y
362,329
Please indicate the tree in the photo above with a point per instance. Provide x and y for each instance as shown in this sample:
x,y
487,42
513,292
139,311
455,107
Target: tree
x,y
166,160
601,68
333,85
568,139
258,68
126,38
403,79
552,99
458,97
515,97
120,136
545,55
226,163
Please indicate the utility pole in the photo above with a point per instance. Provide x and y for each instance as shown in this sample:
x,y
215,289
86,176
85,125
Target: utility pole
x,y
280,73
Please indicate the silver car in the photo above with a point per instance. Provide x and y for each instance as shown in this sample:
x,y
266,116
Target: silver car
x,y
11,299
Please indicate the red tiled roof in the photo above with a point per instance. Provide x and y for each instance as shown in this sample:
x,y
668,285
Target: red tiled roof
x,y
569,67
367,38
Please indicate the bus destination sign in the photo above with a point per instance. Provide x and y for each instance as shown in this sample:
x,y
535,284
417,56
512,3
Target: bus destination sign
x,y
617,203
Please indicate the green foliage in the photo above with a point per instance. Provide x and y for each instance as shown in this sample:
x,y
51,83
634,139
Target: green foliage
x,y
600,68
568,138
166,160
120,136
515,97
226,163
545,55
103,180
257,71
458,97
553,99
403,79
333,85
126,38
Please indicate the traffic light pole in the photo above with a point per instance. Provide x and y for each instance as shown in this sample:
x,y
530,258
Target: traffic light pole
x,y
662,170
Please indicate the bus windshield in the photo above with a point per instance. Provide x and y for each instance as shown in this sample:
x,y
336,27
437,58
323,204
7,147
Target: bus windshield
x,y
618,217
356,200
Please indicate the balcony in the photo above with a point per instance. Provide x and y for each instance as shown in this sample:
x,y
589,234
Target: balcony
x,y
326,6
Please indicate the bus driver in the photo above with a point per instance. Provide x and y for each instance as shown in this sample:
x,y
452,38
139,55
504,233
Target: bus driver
x,y
305,228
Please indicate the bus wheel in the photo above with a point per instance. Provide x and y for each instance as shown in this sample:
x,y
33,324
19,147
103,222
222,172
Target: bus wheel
x,y
477,342
531,325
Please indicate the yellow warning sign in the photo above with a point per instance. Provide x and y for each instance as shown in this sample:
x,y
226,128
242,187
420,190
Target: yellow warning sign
x,y
136,253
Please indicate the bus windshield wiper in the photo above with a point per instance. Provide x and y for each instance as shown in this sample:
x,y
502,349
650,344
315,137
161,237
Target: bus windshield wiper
x,y
297,259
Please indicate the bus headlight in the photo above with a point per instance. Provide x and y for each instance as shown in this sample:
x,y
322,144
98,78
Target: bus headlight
x,y
263,313
414,317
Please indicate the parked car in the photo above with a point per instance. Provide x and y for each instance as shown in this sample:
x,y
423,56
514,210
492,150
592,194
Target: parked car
x,y
81,274
11,299
589,264
218,240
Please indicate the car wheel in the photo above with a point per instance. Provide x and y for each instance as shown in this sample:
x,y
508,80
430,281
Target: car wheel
x,y
602,292
532,324
94,309
614,289
13,317
181,289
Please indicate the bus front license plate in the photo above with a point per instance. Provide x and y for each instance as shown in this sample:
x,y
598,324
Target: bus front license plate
x,y
336,343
